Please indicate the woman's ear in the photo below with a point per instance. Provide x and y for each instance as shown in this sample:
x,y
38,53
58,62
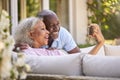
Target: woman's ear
x,y
31,34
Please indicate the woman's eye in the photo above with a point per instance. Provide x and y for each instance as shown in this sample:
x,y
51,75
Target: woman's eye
x,y
42,28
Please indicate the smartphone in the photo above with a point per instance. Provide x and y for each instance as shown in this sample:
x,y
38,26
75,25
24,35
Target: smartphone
x,y
91,40
90,30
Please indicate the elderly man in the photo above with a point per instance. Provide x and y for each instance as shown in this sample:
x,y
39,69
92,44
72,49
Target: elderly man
x,y
60,38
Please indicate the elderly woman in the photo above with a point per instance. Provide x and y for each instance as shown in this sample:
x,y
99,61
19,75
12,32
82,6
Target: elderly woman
x,y
32,31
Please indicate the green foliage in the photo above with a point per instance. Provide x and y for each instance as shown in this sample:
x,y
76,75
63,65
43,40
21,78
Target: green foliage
x,y
33,6
113,27
53,5
84,45
105,13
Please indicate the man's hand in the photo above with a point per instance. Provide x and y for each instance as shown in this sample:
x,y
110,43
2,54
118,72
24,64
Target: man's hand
x,y
52,48
97,33
20,46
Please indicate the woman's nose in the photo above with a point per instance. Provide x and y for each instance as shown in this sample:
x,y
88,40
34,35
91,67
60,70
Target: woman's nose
x,y
47,32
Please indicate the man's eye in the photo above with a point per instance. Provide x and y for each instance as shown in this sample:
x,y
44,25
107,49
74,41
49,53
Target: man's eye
x,y
51,25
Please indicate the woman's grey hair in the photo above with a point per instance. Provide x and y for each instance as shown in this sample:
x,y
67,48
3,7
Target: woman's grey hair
x,y
45,13
20,33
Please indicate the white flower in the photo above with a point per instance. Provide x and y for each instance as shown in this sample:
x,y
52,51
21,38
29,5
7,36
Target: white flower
x,y
1,46
7,67
20,62
5,62
27,67
23,75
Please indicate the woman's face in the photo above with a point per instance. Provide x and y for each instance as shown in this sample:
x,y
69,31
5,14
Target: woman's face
x,y
39,35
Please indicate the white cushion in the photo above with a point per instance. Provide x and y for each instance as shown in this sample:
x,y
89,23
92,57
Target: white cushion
x,y
101,66
60,65
101,52
111,50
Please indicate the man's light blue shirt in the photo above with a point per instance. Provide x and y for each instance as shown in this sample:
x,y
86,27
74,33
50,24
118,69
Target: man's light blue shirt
x,y
64,41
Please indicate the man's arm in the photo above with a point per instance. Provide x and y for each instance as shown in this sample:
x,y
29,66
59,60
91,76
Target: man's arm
x,y
75,50
70,45
97,34
20,46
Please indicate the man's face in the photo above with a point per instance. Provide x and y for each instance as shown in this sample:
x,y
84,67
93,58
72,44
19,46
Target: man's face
x,y
52,25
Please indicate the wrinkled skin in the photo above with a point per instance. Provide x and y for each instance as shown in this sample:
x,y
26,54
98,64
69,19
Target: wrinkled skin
x,y
38,34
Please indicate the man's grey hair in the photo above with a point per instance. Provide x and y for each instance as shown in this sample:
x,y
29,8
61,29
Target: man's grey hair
x,y
20,32
45,13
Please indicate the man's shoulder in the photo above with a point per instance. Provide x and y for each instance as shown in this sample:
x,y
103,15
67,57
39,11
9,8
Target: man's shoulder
x,y
63,30
64,33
